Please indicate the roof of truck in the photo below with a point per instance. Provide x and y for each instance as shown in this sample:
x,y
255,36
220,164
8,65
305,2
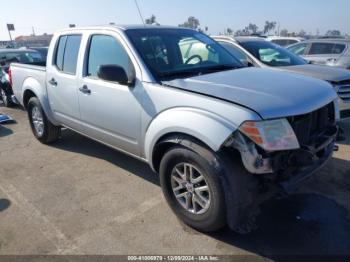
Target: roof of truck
x,y
120,27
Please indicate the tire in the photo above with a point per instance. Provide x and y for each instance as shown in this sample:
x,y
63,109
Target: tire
x,y
242,193
5,98
42,128
204,217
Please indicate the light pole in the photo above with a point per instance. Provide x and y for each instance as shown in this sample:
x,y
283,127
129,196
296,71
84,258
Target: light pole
x,y
10,27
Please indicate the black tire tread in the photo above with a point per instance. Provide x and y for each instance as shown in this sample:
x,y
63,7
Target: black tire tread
x,y
51,132
218,219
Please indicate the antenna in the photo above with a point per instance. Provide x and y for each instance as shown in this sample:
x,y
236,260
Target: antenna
x,y
138,8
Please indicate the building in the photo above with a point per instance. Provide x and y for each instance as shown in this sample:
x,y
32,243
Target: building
x,y
33,40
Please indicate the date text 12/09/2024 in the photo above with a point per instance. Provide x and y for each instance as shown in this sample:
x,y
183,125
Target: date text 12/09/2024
x,y
173,258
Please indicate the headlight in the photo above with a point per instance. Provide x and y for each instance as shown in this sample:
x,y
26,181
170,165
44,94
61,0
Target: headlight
x,y
271,135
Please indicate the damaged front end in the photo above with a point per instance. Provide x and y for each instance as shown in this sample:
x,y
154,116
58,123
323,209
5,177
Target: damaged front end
x,y
290,150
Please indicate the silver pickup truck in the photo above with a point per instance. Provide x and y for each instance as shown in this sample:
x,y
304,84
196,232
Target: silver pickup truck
x,y
217,133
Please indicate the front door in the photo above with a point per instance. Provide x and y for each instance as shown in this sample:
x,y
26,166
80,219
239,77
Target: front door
x,y
110,112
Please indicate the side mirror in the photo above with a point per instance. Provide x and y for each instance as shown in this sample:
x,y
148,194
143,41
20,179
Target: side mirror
x,y
248,63
114,73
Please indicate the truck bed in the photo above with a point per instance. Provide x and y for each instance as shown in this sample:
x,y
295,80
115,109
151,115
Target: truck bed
x,y
23,74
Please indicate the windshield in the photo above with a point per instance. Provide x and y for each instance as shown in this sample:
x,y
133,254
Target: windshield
x,y
176,53
272,54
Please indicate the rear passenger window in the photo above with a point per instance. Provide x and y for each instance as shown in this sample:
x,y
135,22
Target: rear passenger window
x,y
338,49
321,49
67,53
60,52
106,50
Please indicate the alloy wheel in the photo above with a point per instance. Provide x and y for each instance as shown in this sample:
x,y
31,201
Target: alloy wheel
x,y
190,188
38,121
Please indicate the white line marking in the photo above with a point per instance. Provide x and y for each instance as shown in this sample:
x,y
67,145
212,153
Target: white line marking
x,y
122,219
48,229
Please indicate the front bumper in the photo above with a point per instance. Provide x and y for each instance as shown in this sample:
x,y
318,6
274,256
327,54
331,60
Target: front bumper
x,y
344,107
311,159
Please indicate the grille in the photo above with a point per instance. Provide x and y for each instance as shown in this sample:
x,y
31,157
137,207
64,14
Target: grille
x,y
344,90
310,126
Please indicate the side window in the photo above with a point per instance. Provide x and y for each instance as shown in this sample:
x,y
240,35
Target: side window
x,y
233,50
338,49
291,42
106,50
60,52
280,42
298,49
67,53
321,49
71,54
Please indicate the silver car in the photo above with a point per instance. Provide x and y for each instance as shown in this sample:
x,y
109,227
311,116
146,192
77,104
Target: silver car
x,y
332,52
260,53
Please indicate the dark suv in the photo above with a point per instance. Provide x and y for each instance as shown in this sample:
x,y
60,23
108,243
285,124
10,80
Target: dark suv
x,y
8,56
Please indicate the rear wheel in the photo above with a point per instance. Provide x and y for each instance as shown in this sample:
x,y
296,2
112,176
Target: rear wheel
x,y
192,188
42,128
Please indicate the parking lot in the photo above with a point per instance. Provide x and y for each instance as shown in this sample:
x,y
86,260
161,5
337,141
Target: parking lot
x,y
80,197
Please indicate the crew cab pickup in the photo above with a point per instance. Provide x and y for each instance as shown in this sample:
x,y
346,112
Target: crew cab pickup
x,y
213,130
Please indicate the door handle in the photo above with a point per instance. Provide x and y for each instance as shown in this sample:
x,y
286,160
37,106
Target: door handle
x,y
85,90
53,82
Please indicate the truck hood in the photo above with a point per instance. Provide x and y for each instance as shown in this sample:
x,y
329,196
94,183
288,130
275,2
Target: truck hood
x,y
327,73
270,93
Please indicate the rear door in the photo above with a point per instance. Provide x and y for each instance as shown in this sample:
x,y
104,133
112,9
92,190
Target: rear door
x,y
62,80
110,112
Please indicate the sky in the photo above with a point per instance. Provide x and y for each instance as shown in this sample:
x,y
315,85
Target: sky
x,y
48,16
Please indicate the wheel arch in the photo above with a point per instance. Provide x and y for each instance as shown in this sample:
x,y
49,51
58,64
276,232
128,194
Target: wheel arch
x,y
175,126
32,88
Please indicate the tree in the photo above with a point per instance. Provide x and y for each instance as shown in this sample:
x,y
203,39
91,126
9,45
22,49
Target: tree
x,y
302,33
252,28
284,32
191,22
239,33
152,20
333,33
229,31
269,26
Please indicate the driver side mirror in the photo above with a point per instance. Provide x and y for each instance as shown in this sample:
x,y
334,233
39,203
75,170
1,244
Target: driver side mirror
x,y
115,73
248,63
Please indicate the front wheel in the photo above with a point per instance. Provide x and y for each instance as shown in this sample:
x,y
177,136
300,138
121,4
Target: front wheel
x,y
193,190
42,128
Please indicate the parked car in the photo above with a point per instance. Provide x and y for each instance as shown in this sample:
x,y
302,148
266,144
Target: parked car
x,y
214,130
331,52
8,56
4,87
42,50
284,40
260,53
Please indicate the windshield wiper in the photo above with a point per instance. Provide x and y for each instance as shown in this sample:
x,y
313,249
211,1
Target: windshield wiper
x,y
198,71
219,68
179,74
